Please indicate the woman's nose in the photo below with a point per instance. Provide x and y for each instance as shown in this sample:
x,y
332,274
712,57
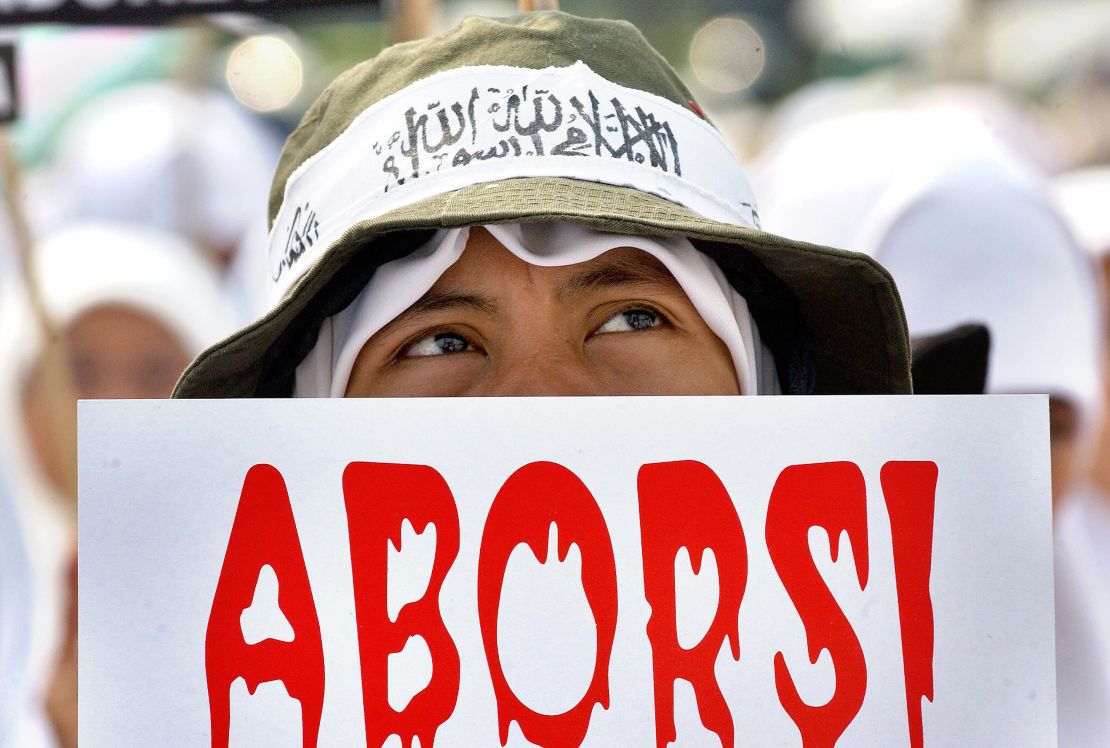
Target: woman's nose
x,y
551,374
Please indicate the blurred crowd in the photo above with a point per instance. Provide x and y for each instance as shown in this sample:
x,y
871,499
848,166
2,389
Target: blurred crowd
x,y
961,144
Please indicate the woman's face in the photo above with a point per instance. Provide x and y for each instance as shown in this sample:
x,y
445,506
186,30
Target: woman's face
x,y
115,353
493,324
1064,432
120,353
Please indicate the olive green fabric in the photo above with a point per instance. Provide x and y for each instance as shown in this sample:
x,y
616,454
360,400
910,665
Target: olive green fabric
x,y
952,362
832,318
615,50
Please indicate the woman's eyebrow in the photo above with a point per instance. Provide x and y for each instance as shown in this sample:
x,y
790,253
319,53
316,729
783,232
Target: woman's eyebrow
x,y
435,301
617,273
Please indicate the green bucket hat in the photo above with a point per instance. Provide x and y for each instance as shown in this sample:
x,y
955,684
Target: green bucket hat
x,y
542,117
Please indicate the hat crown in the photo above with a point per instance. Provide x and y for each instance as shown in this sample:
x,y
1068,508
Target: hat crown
x,y
615,50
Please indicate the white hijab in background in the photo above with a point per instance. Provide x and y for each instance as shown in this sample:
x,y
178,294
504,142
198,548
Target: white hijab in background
x,y
395,286
1084,199
967,231
81,268
970,235
191,162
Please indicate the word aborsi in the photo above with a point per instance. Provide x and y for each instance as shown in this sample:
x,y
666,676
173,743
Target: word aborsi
x,y
681,504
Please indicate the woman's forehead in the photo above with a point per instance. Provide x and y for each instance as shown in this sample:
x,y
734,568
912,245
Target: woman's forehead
x,y
487,263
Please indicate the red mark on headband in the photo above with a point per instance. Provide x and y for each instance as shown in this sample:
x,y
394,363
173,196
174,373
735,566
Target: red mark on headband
x,y
697,109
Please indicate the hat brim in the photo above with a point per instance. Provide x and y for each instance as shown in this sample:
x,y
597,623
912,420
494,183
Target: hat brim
x,y
832,318
952,362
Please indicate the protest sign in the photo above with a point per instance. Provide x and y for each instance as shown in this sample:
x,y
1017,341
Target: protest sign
x,y
9,92
565,571
23,12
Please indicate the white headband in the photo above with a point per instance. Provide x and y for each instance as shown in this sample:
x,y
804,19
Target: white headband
x,y
395,286
473,125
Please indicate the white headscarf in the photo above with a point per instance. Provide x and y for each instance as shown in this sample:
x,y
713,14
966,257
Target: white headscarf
x,y
188,161
1083,527
397,285
159,273
967,231
79,269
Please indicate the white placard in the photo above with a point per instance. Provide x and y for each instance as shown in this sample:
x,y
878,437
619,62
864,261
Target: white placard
x,y
231,548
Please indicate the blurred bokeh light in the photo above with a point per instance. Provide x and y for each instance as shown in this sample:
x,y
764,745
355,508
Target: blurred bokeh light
x,y
727,54
265,73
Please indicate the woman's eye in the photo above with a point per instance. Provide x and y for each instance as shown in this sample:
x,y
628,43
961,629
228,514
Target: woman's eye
x,y
630,321
438,345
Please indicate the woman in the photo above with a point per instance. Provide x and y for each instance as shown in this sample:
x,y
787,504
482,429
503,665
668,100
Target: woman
x,y
133,305
577,151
